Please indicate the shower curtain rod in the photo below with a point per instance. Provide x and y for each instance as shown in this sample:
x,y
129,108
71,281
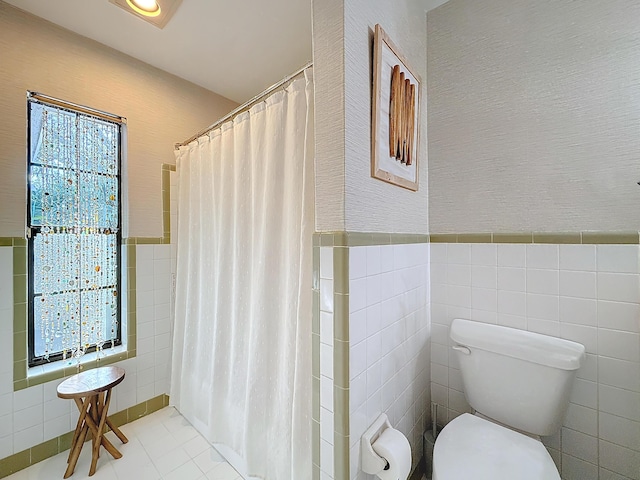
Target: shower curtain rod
x,y
246,105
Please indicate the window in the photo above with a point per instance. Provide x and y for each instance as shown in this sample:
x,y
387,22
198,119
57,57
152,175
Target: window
x,y
74,230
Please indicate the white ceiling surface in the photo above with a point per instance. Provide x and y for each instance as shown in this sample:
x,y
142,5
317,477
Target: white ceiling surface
x,y
234,48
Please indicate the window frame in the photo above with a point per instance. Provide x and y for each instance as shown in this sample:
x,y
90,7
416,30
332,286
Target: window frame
x,y
32,231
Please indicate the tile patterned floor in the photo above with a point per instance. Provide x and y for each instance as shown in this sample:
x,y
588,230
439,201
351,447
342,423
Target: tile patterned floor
x,y
162,446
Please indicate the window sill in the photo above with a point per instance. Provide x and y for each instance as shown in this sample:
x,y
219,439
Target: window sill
x,y
64,368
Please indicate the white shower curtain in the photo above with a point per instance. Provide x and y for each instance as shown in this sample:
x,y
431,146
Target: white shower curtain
x,y
241,369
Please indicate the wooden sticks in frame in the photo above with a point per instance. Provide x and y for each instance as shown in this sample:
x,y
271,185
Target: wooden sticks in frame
x,y
401,116
395,132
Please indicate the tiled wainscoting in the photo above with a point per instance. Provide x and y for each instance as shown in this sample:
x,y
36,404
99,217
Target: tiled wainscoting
x,y
35,415
34,422
371,343
586,293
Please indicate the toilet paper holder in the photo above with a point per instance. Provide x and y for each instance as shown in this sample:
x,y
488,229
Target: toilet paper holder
x,y
372,462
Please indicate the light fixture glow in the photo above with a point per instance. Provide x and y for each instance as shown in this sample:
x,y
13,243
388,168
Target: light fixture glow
x,y
148,8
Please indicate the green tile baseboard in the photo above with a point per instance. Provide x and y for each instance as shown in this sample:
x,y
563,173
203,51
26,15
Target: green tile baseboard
x,y
26,458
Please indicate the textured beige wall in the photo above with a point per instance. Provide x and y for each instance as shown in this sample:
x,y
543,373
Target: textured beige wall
x,y
373,205
347,197
161,109
328,75
534,116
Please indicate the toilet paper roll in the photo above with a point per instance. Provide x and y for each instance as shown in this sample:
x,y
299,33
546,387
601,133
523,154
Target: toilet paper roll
x,y
394,447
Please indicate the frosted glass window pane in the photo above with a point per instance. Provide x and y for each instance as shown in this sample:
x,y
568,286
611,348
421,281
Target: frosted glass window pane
x,y
75,232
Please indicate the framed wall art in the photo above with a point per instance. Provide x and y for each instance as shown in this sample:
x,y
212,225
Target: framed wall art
x,y
396,115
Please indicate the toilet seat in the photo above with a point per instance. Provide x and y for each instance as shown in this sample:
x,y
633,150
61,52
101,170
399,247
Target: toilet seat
x,y
470,447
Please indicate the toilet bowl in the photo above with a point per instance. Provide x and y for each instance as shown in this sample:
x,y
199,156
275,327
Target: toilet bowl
x,y
519,384
473,448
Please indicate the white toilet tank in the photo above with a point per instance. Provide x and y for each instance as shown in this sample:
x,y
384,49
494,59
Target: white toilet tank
x,y
517,378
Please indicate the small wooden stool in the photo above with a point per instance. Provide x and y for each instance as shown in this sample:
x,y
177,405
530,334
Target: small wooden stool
x,y
91,390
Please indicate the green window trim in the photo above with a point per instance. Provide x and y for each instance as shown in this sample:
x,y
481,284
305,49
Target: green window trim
x,y
21,378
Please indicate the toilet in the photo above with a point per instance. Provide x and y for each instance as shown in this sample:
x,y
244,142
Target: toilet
x,y
518,383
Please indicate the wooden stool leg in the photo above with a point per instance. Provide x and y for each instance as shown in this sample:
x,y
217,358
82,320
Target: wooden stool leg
x,y
113,428
75,451
105,441
99,415
117,431
82,406
91,392
94,412
101,410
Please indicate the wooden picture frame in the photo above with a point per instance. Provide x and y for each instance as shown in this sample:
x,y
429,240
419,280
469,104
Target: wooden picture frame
x,y
395,136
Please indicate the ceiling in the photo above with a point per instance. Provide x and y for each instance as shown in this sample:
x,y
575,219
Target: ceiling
x,y
234,48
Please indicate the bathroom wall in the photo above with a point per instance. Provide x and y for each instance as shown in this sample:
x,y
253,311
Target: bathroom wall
x,y
389,330
370,204
34,415
348,198
328,74
372,339
161,109
583,292
35,423
356,214
532,152
533,116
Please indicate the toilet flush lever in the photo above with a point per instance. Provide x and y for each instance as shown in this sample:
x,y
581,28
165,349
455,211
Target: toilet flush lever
x,y
462,349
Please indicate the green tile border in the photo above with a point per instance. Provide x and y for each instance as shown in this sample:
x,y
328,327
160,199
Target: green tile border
x,y
361,239
19,252
610,237
584,238
557,238
341,456
474,237
315,347
315,452
21,379
338,242
26,458
167,168
144,241
512,237
341,384
19,242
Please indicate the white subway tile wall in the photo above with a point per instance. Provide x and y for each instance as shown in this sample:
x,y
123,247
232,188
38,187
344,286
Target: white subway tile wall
x,y
586,293
154,316
35,414
326,364
389,333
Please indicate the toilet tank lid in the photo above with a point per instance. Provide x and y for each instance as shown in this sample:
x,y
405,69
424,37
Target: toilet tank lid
x,y
528,346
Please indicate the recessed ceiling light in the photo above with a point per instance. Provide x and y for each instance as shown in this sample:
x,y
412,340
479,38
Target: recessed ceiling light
x,y
148,8
156,12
